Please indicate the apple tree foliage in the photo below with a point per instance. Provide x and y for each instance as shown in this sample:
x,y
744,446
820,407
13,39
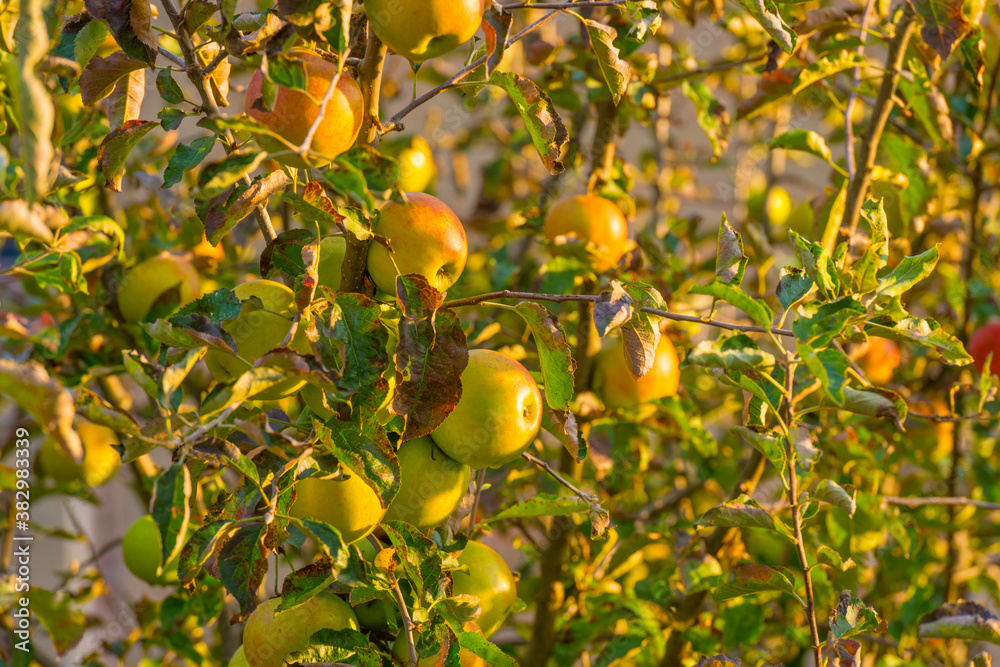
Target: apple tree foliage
x,y
782,509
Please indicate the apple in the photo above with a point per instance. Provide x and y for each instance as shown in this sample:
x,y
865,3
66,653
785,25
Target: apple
x,y
422,29
165,277
432,484
880,359
466,658
594,221
100,460
142,551
294,112
345,501
256,333
416,163
208,256
778,206
488,579
615,386
498,415
984,340
332,250
427,237
239,659
269,638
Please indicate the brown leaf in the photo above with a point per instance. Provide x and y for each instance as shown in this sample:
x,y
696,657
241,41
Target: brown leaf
x,y
47,401
130,23
240,41
102,74
226,212
219,77
36,220
125,101
818,19
944,24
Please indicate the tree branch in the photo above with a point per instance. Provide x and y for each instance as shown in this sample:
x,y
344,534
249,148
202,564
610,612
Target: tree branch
x,y
371,86
401,603
586,497
480,479
950,501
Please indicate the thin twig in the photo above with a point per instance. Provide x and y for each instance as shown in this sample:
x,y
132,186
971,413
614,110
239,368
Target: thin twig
x,y
563,298
586,497
401,603
565,5
949,418
849,158
303,148
951,501
171,57
480,479
707,69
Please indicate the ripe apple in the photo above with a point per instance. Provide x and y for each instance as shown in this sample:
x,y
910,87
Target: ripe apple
x,y
331,257
466,658
432,484
268,638
165,276
100,460
416,163
142,551
614,384
422,29
427,237
984,340
498,415
594,221
880,359
257,332
490,580
294,112
345,502
778,206
239,659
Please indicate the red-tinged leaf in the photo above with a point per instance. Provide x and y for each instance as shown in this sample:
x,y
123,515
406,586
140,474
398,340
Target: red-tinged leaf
x,y
116,147
224,213
546,128
102,74
125,100
130,23
496,27
315,205
944,24
365,450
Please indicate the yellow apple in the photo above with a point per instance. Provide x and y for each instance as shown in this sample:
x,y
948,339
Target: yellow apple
x,y
268,638
416,163
427,238
498,415
422,29
142,551
294,112
431,487
145,284
344,501
616,387
489,579
591,220
257,332
100,460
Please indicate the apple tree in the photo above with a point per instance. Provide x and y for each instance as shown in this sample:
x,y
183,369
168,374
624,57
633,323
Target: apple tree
x,y
428,332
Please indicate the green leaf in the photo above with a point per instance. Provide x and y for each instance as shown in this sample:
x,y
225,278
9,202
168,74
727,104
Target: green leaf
x,y
540,505
829,366
554,353
769,443
817,265
223,213
730,258
876,402
755,308
616,71
543,122
314,205
366,451
766,13
830,492
908,273
186,157
853,617
88,41
641,334
713,118
806,141
744,512
115,149
750,578
876,256
737,352
928,333
36,115
775,87
242,564
200,547
219,176
354,322
380,171
966,620
793,284
171,509
224,453
168,88
479,645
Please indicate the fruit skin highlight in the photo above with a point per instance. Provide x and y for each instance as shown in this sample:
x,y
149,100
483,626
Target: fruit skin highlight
x,y
498,415
100,459
420,30
490,579
145,283
984,340
431,487
142,551
294,112
345,502
615,386
428,239
268,639
592,220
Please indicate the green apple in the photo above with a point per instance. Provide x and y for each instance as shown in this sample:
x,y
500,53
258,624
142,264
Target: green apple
x,y
166,277
422,29
257,332
489,579
268,637
344,501
294,112
142,551
427,238
100,460
498,415
614,384
591,220
332,250
239,659
432,484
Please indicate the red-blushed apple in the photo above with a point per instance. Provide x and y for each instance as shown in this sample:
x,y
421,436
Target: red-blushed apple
x,y
432,484
427,238
498,415
591,220
344,501
422,29
617,388
984,340
257,332
489,578
294,112
268,638
148,282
